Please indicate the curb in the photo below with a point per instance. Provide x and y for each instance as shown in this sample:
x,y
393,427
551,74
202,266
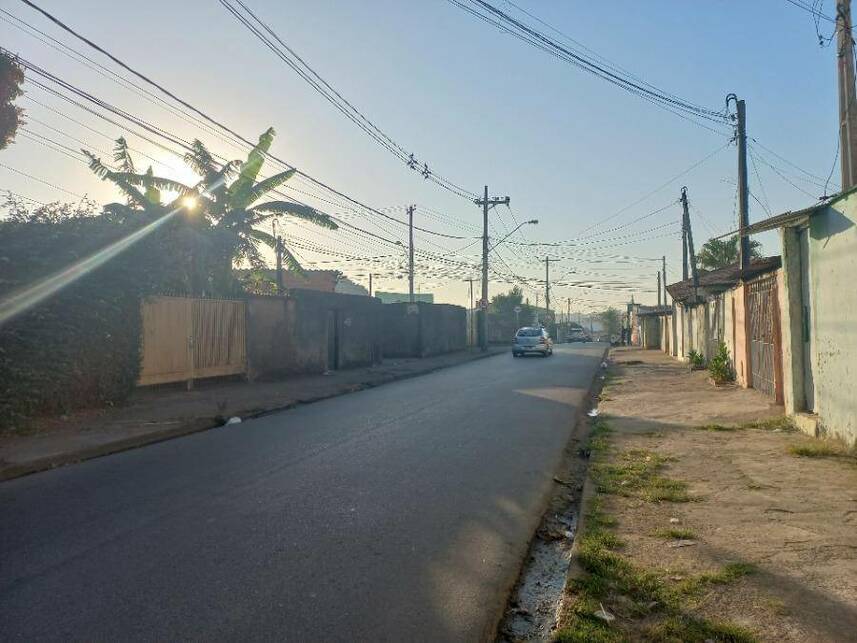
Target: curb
x,y
197,425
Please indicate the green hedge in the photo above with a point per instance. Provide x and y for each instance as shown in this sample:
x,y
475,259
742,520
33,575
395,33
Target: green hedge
x,y
81,347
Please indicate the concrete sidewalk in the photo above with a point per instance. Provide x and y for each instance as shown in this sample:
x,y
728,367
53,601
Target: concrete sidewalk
x,y
154,414
707,516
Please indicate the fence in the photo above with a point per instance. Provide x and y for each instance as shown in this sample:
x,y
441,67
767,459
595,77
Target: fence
x,y
187,338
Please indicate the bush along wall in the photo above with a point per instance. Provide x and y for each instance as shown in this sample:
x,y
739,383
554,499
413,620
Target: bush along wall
x,y
81,346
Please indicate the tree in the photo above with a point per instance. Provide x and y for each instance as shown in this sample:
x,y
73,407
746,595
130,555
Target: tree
x,y
506,302
612,321
11,116
719,253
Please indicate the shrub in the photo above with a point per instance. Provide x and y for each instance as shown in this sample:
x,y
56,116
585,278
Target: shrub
x,y
719,367
696,359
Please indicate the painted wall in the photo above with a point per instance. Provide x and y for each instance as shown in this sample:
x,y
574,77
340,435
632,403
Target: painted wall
x,y
420,329
289,335
833,271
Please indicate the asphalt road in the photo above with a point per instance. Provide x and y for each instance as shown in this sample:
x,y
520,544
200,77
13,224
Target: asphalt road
x,y
399,513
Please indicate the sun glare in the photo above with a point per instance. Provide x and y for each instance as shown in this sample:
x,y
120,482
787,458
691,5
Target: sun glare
x,y
190,202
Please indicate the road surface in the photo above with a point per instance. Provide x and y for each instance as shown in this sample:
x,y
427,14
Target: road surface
x,y
399,513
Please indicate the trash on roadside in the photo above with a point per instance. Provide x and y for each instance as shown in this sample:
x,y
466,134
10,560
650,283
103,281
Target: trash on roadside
x,y
674,521
682,543
603,614
234,420
593,413
603,364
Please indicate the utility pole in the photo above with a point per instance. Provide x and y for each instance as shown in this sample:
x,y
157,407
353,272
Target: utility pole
x,y
370,284
684,224
486,204
847,96
548,284
411,209
472,333
568,314
659,289
743,185
279,249
664,278
690,254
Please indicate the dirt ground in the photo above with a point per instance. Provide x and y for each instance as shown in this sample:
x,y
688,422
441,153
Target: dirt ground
x,y
793,519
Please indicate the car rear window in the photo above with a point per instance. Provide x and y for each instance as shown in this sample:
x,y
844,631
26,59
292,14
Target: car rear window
x,y
529,332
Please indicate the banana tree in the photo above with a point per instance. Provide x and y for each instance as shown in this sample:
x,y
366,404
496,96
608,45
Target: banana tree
x,y
237,207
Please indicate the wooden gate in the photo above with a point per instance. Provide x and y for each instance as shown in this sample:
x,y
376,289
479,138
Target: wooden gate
x,y
187,338
763,322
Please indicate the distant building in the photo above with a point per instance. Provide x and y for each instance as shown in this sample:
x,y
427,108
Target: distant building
x,y
404,298
265,281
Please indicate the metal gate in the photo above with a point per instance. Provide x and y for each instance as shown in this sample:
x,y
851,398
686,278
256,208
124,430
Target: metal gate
x,y
762,308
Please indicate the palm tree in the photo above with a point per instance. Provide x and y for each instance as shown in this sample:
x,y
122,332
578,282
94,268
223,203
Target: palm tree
x,y
235,206
719,253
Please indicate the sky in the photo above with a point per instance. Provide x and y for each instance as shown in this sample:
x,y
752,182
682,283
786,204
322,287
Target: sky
x,y
480,107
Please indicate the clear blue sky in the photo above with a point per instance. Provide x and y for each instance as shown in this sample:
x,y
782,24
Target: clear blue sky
x,y
480,106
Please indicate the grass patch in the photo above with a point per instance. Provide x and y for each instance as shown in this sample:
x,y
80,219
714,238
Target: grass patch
x,y
816,450
718,427
689,629
676,534
781,423
635,474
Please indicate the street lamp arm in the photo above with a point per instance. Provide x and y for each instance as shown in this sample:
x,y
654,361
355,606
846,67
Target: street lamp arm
x,y
518,227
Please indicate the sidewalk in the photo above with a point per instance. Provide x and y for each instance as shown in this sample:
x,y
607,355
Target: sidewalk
x,y
706,517
154,414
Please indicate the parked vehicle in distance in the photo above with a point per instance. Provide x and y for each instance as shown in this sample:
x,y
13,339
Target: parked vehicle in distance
x,y
532,340
577,335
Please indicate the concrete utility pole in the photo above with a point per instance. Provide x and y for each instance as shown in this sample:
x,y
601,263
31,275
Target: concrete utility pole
x,y
411,209
370,284
743,185
664,278
847,95
659,289
688,237
279,250
486,204
472,333
548,283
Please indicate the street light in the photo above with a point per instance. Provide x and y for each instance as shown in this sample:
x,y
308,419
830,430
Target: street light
x,y
518,227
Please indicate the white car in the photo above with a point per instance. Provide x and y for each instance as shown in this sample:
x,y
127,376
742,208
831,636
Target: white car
x,y
532,340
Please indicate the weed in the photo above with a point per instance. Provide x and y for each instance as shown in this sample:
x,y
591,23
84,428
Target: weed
x,y
729,573
676,534
816,450
696,359
635,474
781,423
718,427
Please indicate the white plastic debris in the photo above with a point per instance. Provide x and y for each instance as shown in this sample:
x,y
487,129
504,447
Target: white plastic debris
x,y
682,543
674,521
593,413
603,614
234,420
603,364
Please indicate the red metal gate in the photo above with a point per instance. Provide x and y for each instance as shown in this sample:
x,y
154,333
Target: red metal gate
x,y
764,335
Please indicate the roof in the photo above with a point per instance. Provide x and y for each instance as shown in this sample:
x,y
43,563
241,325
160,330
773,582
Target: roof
x,y
792,217
323,280
723,278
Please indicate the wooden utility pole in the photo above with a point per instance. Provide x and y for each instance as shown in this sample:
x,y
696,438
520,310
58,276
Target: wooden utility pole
x,y
847,96
659,289
370,284
411,209
743,185
486,204
664,278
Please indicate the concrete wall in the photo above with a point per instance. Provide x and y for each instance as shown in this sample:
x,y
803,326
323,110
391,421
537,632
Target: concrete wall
x,y
290,335
420,329
832,321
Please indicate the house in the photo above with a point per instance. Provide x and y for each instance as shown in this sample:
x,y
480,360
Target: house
x,y
742,313
818,313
